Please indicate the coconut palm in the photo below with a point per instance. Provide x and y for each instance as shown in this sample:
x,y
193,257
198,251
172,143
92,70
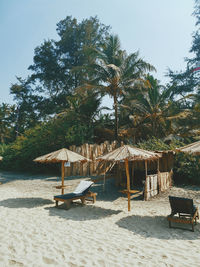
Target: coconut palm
x,y
154,109
116,72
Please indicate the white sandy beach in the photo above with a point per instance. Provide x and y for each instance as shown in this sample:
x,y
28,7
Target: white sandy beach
x,y
35,233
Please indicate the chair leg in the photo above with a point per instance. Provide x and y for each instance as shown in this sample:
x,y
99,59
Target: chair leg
x,y
67,204
83,200
56,203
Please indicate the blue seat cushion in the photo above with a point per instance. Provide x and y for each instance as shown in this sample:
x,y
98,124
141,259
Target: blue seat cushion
x,y
70,195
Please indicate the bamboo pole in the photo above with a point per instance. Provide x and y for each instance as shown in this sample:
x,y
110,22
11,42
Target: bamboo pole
x,y
145,189
159,178
132,173
104,180
128,184
63,176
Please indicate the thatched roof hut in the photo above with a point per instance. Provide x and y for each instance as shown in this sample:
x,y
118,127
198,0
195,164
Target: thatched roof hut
x,y
193,148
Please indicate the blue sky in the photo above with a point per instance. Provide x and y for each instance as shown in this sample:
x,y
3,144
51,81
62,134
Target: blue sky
x,y
160,30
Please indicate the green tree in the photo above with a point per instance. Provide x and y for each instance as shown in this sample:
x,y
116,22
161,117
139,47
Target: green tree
x,y
153,110
6,123
116,72
58,64
26,113
186,83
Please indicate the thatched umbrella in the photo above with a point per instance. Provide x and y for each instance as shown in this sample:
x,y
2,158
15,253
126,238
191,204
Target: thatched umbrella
x,y
63,155
1,158
127,153
193,148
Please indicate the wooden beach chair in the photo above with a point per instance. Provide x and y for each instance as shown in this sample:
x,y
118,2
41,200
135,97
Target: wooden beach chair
x,y
182,211
81,192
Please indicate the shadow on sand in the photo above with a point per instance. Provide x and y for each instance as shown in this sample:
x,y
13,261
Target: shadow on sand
x,y
79,212
157,227
111,192
17,203
6,177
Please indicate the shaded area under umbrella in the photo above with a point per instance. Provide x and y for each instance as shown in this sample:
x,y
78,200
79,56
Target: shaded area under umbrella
x,y
63,155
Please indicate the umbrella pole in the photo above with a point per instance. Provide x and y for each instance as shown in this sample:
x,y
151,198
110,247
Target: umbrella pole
x,y
63,177
158,174
128,184
104,181
133,174
145,188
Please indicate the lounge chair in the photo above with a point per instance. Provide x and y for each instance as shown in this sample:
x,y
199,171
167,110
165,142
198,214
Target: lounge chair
x,y
81,192
182,211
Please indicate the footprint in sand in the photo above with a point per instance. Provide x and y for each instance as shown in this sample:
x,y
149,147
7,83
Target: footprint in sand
x,y
15,263
164,257
49,260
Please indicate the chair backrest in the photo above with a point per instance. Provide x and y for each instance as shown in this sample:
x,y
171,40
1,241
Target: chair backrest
x,y
181,205
83,187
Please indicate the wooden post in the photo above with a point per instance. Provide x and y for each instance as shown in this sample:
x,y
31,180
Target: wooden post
x,y
104,180
63,176
159,178
132,173
128,184
145,188
145,168
158,165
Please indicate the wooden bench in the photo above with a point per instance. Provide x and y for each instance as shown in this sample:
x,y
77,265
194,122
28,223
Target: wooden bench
x,y
182,211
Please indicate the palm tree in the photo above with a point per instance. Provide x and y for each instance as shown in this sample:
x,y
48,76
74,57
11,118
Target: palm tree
x,y
154,109
116,72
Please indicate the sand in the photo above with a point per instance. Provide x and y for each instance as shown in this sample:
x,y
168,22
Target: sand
x,y
35,233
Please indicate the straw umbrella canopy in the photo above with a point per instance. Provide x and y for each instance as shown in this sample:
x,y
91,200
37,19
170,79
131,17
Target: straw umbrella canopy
x,y
63,155
193,148
127,153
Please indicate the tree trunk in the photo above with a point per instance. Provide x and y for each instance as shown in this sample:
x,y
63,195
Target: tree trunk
x,y
116,117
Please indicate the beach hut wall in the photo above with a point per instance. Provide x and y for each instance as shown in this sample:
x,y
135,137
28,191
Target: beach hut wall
x,y
152,186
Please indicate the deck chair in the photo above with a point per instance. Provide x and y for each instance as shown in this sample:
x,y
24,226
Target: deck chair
x,y
81,192
182,211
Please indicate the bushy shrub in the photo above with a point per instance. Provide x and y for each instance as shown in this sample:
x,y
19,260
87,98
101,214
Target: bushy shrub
x,y
156,144
2,148
186,167
40,140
